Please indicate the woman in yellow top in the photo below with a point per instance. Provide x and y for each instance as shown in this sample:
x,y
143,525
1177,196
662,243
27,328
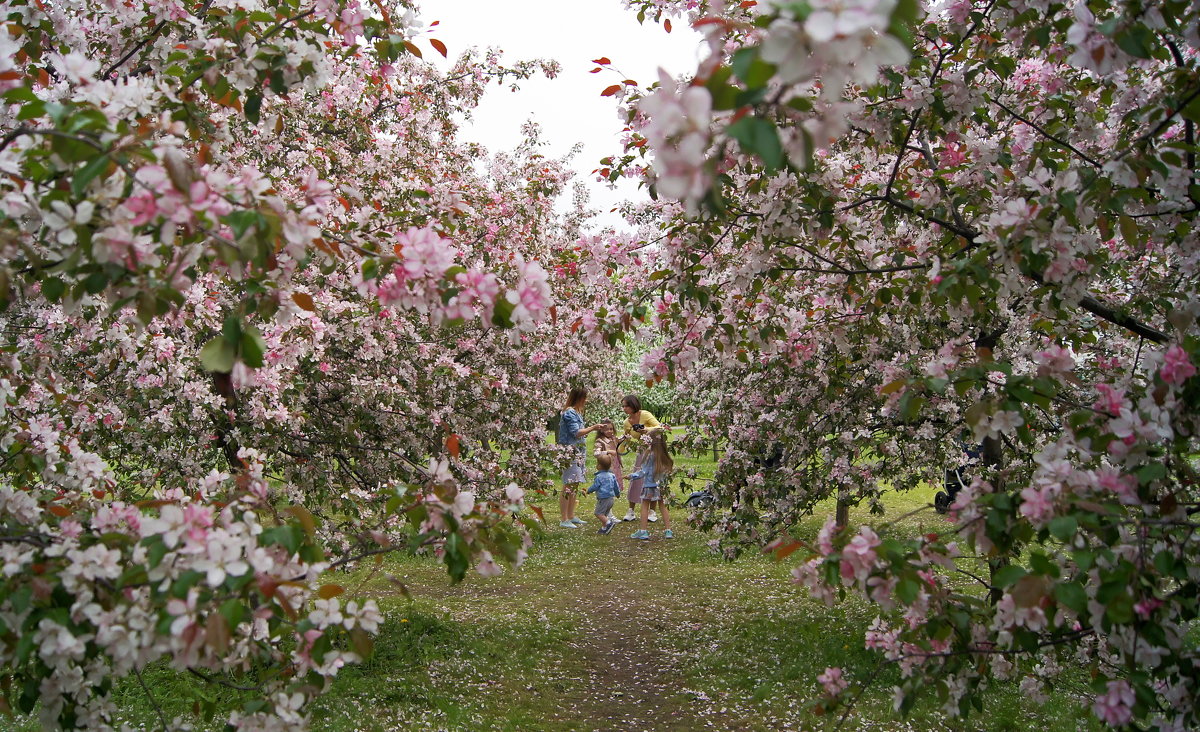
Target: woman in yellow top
x,y
638,422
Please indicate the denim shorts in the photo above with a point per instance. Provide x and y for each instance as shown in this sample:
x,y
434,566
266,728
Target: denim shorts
x,y
574,472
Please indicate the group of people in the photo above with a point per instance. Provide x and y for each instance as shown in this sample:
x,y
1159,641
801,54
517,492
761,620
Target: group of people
x,y
646,488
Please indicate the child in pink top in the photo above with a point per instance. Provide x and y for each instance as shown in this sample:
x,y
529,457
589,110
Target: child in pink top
x,y
606,444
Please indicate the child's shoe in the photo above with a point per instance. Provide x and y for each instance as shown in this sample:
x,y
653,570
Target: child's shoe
x,y
630,516
568,525
640,534
605,529
578,521
668,535
653,517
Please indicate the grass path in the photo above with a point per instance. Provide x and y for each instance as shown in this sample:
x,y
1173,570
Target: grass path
x,y
607,633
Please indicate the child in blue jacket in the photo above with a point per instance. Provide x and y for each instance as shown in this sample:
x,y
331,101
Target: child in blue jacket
x,y
607,490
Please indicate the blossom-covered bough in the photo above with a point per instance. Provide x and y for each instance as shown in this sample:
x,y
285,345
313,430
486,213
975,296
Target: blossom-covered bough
x,y
895,235
262,320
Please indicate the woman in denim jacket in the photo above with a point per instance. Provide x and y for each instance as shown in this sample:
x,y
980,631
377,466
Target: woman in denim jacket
x,y
571,431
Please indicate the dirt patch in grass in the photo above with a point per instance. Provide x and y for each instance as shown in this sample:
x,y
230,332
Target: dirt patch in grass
x,y
632,675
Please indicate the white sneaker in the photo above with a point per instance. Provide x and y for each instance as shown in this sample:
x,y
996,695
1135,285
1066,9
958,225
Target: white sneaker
x,y
653,517
629,516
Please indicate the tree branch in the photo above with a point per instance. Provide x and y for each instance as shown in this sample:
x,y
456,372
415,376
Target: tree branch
x,y
1042,131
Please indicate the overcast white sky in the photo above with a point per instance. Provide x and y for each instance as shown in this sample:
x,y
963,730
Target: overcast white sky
x,y
568,108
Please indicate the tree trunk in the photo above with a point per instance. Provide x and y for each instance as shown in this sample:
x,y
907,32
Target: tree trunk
x,y
842,517
993,462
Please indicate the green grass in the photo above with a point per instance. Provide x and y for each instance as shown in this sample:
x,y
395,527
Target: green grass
x,y
591,623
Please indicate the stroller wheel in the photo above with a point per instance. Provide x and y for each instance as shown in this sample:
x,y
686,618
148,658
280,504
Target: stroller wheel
x,y
941,502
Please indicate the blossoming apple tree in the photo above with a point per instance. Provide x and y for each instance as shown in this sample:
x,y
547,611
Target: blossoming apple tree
x,y
263,318
897,235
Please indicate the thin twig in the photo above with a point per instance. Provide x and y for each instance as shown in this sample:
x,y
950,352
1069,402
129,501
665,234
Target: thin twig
x,y
153,702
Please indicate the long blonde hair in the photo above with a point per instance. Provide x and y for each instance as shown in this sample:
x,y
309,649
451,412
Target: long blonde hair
x,y
663,463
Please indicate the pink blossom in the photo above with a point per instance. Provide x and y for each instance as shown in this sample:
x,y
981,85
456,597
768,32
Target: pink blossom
x,y
1057,359
1146,607
858,558
1111,400
825,536
833,681
1177,366
1037,503
1115,706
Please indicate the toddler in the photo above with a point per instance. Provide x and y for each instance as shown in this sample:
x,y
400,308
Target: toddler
x,y
607,490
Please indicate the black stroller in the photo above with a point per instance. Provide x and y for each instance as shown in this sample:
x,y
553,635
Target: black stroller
x,y
701,498
955,480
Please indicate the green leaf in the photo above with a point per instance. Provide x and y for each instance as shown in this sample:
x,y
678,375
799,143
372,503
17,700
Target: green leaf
x,y
1120,609
95,282
1084,559
1009,575
757,135
186,581
278,83
1150,473
1063,528
53,288
32,110
1071,595
231,329
87,174
218,355
234,612
253,347
253,106
907,590
19,95
1137,41
289,537
456,558
241,221
502,315
1130,231
156,549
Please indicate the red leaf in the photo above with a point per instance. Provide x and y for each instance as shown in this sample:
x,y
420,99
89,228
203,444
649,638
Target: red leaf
x,y
452,445
304,300
328,591
781,552
611,90
629,82
441,47
412,48
603,61
436,22
596,70
667,25
748,3
538,511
